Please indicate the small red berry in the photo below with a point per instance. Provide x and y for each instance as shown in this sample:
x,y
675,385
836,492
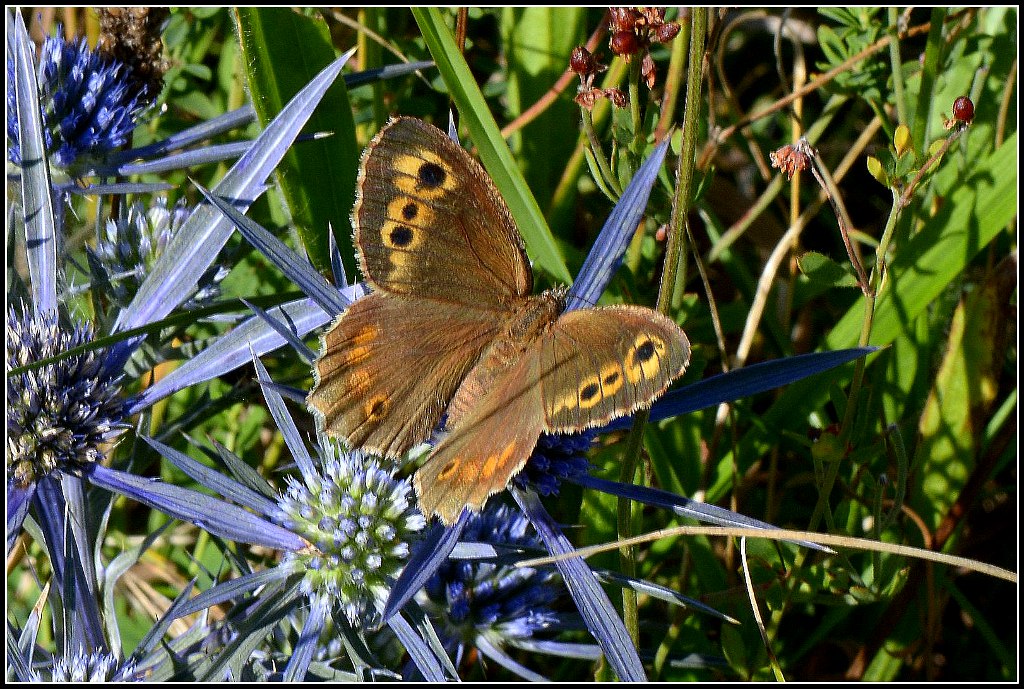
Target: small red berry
x,y
963,110
581,61
624,43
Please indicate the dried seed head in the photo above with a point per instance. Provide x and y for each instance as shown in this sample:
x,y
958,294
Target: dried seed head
x,y
581,61
623,19
790,159
132,35
663,33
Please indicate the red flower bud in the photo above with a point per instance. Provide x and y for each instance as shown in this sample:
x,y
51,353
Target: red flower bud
x,y
624,43
963,110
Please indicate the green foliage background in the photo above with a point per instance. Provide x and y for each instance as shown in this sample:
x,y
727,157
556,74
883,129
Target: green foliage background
x,y
927,453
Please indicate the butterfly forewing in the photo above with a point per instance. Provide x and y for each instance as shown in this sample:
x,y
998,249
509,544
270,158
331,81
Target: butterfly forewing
x,y
599,364
429,222
389,368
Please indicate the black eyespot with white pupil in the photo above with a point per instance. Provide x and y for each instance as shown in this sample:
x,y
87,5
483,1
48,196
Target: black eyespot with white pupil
x,y
644,352
401,236
431,175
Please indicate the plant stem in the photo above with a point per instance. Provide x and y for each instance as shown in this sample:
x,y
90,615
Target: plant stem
x,y
675,245
897,67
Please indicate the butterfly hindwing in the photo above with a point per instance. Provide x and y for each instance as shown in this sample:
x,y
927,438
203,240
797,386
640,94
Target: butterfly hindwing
x,y
486,449
602,363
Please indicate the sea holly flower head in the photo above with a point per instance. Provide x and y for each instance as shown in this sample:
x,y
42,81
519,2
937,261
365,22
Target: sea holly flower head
x,y
89,106
474,597
130,246
555,458
90,667
359,520
61,415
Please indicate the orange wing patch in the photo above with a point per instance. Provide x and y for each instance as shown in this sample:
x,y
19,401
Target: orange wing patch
x,y
485,449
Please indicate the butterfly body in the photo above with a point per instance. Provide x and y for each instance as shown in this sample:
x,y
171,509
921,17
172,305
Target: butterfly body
x,y
452,327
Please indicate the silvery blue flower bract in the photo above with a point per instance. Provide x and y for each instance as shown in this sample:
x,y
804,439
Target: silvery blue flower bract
x,y
61,415
87,103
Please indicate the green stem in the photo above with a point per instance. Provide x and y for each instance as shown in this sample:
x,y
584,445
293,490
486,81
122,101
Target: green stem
x,y
684,171
680,209
595,148
897,67
633,86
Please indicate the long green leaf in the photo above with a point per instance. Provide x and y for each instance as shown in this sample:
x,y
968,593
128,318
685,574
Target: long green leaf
x,y
494,152
537,42
282,50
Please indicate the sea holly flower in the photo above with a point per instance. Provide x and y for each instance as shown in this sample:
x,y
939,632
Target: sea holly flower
x,y
359,520
557,457
356,523
90,101
185,259
80,389
486,605
60,416
130,246
90,667
88,104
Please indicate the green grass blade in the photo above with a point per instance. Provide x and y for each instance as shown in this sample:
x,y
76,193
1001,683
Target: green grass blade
x,y
318,178
494,152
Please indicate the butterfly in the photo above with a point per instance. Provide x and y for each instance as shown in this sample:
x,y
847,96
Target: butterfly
x,y
452,328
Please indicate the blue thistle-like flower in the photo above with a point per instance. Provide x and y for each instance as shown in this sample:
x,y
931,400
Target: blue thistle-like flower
x,y
359,520
59,416
475,597
557,457
90,667
129,248
88,104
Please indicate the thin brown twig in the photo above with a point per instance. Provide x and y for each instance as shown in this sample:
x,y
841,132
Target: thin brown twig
x,y
545,101
461,21
828,185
